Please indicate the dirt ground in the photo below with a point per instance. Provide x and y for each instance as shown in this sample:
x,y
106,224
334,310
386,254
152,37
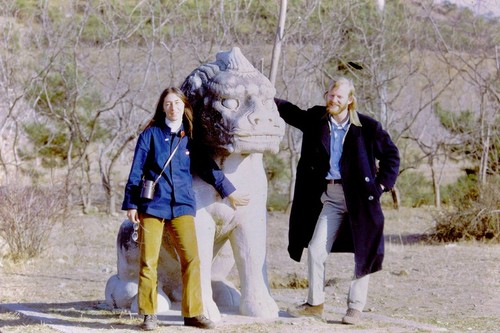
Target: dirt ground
x,y
422,288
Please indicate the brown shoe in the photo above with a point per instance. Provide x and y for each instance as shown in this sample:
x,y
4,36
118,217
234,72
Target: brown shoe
x,y
199,321
306,310
150,323
352,317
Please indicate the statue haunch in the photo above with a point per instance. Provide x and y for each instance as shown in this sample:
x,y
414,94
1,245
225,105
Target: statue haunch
x,y
237,121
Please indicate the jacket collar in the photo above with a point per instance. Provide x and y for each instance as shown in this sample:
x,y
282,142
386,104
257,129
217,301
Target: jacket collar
x,y
352,131
167,130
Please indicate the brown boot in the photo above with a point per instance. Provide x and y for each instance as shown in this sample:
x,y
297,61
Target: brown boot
x,y
306,310
199,321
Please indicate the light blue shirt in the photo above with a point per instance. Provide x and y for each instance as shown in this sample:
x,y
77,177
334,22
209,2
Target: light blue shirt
x,y
338,132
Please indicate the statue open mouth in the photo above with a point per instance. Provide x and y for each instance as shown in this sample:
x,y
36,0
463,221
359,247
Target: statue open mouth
x,y
259,138
257,143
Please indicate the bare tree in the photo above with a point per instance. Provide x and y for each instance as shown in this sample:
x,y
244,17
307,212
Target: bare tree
x,y
73,104
13,109
471,53
352,41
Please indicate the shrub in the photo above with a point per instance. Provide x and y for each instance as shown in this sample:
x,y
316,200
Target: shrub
x,y
465,191
278,177
277,202
474,215
415,189
291,281
27,216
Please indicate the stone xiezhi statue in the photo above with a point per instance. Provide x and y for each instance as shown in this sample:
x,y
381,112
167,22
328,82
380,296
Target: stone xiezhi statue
x,y
236,120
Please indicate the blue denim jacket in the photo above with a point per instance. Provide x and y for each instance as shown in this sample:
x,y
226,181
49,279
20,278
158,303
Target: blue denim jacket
x,y
174,195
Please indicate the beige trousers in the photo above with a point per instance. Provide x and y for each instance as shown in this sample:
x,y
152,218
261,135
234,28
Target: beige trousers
x,y
325,233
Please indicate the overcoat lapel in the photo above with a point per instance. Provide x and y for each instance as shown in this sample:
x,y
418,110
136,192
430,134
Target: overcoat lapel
x,y
325,135
351,135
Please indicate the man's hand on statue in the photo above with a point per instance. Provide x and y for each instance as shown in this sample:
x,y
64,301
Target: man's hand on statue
x,y
238,200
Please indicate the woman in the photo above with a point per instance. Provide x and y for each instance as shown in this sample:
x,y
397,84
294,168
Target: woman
x,y
172,207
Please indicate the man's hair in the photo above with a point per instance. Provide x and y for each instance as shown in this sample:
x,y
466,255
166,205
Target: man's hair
x,y
338,81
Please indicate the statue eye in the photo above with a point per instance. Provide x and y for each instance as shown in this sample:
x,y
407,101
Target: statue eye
x,y
230,103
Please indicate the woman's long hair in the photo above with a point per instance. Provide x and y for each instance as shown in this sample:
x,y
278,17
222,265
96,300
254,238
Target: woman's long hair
x,y
159,116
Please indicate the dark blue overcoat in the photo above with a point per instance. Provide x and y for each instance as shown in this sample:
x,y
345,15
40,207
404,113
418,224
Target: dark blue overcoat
x,y
362,230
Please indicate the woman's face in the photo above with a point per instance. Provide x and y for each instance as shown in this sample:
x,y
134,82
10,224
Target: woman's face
x,y
173,107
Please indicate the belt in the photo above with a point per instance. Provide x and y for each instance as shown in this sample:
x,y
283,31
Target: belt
x,y
334,181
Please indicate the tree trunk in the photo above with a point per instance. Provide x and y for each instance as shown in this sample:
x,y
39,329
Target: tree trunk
x,y
396,199
435,185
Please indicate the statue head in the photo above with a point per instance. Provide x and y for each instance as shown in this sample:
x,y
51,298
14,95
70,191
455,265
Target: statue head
x,y
234,108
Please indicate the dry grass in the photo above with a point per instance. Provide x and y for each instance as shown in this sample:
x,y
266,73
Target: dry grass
x,y
421,289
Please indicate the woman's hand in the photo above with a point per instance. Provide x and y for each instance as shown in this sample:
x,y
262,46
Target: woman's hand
x,y
238,200
132,215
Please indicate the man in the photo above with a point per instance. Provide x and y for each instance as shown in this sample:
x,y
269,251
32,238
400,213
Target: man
x,y
336,206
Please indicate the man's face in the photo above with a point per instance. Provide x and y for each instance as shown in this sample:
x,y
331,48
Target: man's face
x,y
337,100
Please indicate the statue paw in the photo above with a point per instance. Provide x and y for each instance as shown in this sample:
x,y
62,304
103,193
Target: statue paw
x,y
225,294
262,306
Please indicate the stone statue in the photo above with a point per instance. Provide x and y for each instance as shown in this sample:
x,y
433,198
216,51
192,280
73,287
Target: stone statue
x,y
236,119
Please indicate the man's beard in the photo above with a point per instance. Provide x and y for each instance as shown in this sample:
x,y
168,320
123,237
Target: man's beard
x,y
335,109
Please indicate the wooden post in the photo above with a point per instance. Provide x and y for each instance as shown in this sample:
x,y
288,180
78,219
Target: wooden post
x,y
277,43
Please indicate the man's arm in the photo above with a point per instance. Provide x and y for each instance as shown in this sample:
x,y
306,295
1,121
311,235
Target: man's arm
x,y
388,155
291,114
